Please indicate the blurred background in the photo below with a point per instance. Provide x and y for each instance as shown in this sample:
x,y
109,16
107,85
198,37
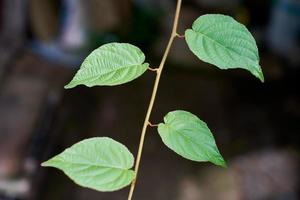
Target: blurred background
x,y
256,126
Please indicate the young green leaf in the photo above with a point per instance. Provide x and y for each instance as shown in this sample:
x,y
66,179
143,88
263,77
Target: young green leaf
x,y
98,163
222,41
110,64
189,137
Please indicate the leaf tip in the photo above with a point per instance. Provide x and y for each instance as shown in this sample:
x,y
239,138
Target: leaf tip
x,y
50,163
220,162
223,164
69,86
45,164
258,73
262,78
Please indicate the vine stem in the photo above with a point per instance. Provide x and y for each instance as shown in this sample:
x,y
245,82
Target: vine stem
x,y
153,96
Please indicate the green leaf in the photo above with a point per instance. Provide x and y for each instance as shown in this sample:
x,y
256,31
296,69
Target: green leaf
x,y
110,64
98,163
189,137
222,41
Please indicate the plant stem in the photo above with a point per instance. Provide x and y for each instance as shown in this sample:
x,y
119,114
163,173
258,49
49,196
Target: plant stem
x,y
153,96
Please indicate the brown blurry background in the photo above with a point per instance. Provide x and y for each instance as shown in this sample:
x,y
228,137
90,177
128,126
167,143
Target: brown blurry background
x,y
256,126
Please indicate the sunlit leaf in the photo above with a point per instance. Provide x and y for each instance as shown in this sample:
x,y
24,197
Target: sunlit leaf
x,y
189,137
222,41
110,64
98,163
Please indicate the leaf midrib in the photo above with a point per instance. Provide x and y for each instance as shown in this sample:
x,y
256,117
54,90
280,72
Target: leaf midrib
x,y
89,162
96,165
110,71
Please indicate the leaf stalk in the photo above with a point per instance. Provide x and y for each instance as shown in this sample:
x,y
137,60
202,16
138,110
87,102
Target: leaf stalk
x,y
152,125
180,36
153,69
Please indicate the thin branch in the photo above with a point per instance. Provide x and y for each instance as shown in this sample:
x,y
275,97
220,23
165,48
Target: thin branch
x,y
153,96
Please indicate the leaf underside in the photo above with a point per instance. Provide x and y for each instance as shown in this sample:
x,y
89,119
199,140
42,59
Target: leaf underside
x,y
188,136
220,40
110,64
98,163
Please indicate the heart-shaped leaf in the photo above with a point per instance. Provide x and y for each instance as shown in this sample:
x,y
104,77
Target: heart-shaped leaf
x,y
222,41
98,163
189,137
110,64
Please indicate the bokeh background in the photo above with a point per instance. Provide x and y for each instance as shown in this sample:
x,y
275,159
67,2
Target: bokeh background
x,y
256,126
